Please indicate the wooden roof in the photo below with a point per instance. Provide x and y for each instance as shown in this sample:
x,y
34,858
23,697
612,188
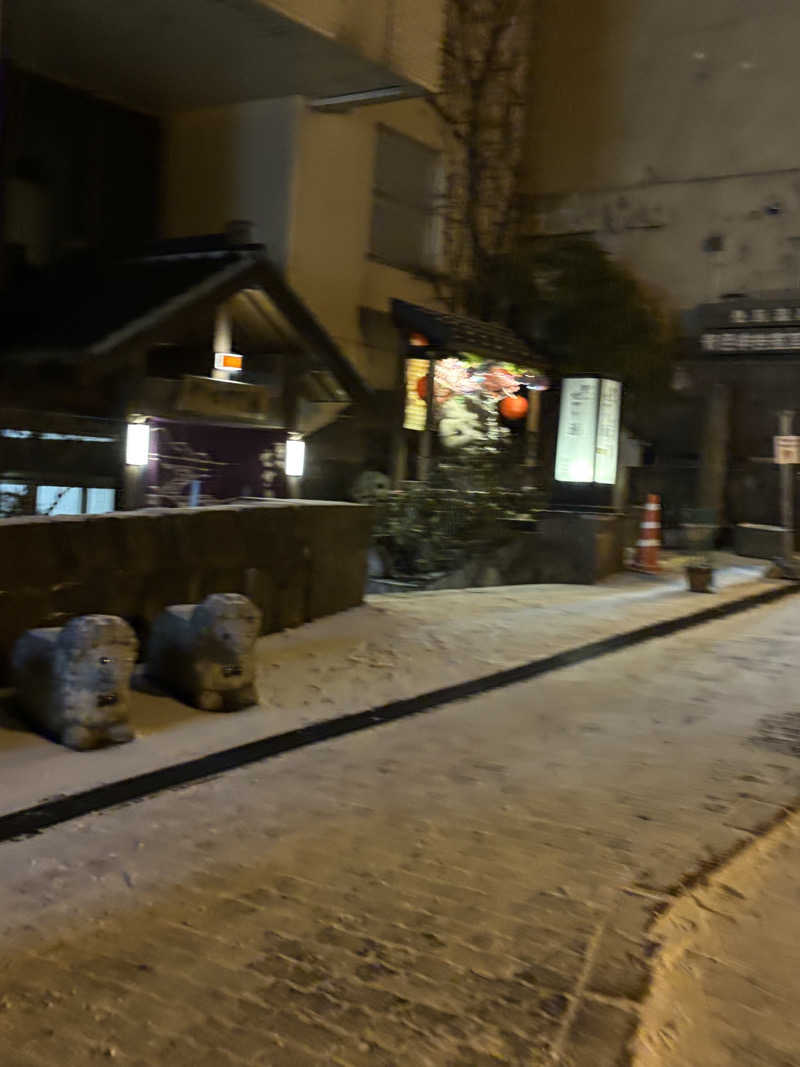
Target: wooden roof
x,y
90,310
457,333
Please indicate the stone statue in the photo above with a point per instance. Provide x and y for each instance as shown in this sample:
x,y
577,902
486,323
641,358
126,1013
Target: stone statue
x,y
73,682
204,653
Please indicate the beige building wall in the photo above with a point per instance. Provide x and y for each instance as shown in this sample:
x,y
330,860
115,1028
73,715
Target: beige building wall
x,y
232,163
668,131
305,180
329,261
401,34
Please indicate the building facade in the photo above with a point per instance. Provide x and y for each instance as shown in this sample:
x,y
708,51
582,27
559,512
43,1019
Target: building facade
x,y
130,123
666,132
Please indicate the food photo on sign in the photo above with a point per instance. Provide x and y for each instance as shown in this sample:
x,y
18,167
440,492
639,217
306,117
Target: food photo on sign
x,y
473,399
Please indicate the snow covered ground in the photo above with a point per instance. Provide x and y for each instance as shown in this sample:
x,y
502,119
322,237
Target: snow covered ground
x,y
390,648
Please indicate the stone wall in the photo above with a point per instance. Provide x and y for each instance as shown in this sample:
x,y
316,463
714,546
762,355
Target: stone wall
x,y
563,547
296,560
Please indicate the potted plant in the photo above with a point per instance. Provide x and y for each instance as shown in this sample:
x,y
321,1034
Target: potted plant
x,y
699,572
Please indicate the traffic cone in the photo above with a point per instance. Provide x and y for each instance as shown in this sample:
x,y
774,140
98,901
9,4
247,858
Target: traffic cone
x,y
649,537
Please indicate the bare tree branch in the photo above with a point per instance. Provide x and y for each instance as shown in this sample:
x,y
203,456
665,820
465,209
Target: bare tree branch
x,y
482,110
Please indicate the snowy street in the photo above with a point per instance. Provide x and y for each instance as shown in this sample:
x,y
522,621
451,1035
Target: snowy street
x,y
476,886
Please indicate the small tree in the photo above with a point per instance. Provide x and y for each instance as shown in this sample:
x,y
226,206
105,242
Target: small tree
x,y
581,310
592,314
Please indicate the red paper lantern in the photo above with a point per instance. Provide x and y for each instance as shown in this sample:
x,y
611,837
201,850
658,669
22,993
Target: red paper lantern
x,y
514,407
418,340
422,386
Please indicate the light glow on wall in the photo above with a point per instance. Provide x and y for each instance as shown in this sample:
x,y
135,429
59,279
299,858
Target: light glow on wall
x,y
295,458
137,444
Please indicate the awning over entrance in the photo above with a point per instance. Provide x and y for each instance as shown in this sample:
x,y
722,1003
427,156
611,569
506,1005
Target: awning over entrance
x,y
165,56
457,333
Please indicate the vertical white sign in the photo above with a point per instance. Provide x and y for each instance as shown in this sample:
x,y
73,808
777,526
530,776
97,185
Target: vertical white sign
x,y
577,430
607,444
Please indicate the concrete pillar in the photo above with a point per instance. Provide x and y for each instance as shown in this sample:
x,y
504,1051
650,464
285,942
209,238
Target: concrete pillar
x,y
222,339
714,455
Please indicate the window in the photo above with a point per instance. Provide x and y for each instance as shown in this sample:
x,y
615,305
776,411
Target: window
x,y
404,224
99,501
12,498
59,500
73,500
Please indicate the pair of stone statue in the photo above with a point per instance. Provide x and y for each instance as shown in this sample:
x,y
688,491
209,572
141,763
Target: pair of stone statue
x,y
73,682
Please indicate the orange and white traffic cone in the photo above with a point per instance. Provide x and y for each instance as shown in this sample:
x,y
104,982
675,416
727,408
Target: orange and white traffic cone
x,y
649,537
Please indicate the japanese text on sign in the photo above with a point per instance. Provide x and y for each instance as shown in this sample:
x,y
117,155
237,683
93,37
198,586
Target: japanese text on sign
x,y
577,430
607,445
747,341
787,449
743,316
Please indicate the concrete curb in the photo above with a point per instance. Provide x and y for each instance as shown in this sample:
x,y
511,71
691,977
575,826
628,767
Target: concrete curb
x,y
33,820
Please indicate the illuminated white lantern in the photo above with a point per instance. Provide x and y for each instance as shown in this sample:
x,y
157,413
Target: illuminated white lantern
x,y
137,444
295,458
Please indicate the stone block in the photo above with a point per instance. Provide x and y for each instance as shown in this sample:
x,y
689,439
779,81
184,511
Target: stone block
x,y
290,598
579,547
257,587
214,542
310,560
29,554
204,652
265,533
335,579
699,536
73,682
20,610
758,542
142,538
221,580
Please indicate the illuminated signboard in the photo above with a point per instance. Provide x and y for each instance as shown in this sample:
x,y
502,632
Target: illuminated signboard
x,y
607,444
577,430
740,331
416,411
227,361
588,431
751,341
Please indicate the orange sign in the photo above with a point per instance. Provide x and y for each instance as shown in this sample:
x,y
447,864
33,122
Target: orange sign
x,y
227,361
